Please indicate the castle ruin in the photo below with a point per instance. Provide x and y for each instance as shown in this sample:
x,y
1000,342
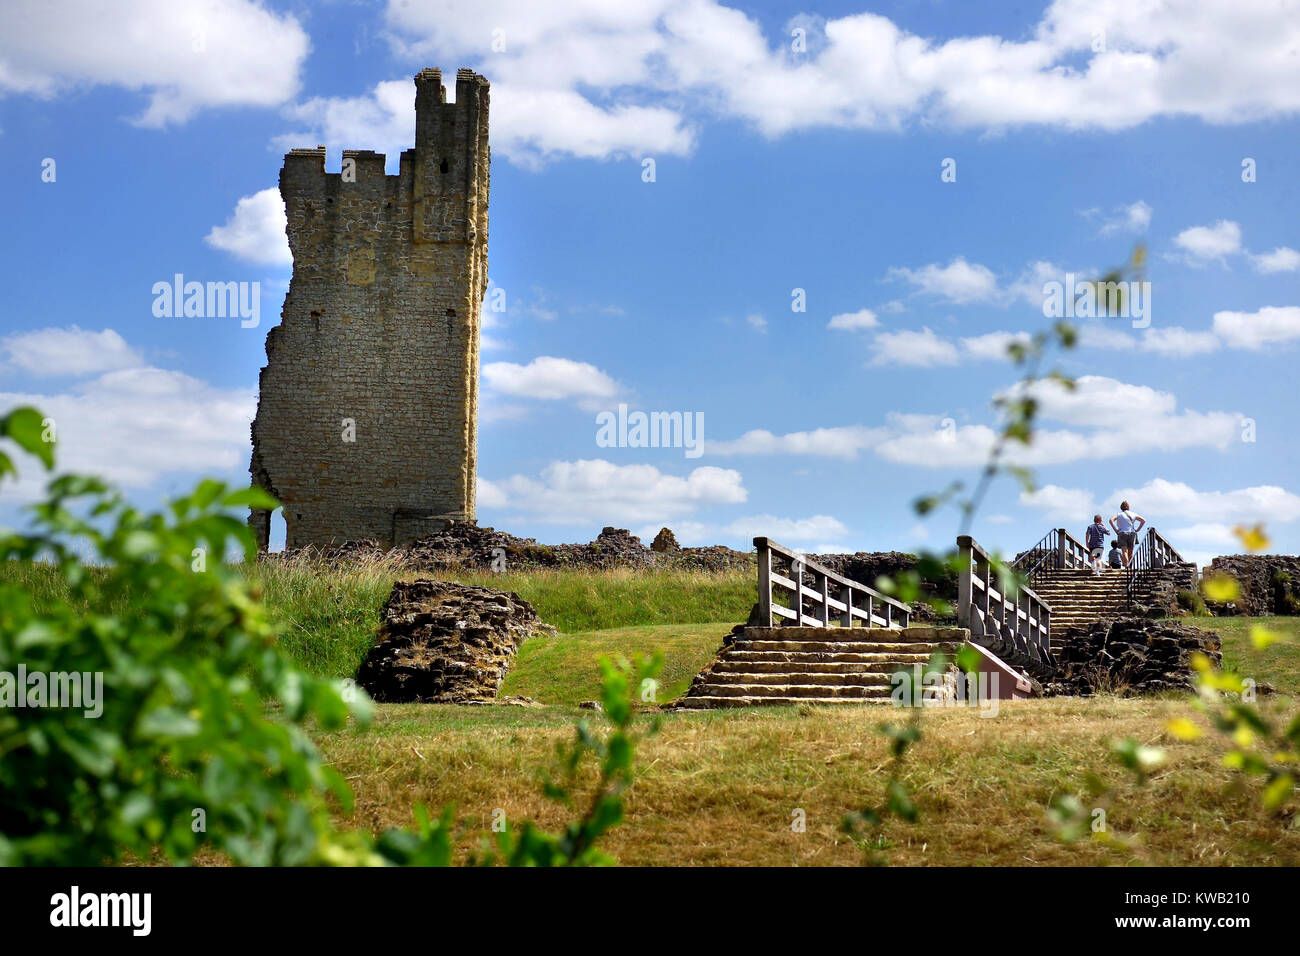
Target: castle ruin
x,y
367,421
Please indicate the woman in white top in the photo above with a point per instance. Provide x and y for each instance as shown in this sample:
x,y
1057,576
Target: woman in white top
x,y
1127,525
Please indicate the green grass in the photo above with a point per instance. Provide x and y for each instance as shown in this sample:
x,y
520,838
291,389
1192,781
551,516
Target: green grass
x,y
564,670
1278,665
330,617
720,787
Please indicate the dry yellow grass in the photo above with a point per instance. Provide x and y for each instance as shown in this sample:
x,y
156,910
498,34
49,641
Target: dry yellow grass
x,y
721,788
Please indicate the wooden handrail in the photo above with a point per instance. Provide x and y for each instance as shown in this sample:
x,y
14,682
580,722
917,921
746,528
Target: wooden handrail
x,y
1019,625
845,601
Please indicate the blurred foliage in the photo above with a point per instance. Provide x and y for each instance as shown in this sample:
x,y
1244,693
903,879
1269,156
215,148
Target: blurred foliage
x,y
201,740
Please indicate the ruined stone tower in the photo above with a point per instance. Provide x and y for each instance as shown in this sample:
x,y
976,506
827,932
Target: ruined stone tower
x,y
367,423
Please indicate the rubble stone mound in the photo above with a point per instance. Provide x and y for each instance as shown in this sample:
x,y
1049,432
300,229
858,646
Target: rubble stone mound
x,y
466,545
1129,656
463,544
447,643
1270,583
665,541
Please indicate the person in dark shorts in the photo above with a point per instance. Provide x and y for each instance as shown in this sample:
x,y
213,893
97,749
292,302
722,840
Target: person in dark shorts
x,y
1095,539
1127,525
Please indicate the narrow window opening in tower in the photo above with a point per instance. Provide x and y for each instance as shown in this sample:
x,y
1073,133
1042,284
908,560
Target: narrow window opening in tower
x,y
442,167
279,532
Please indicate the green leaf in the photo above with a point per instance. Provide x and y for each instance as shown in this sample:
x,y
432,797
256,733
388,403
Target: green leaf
x,y
1277,793
254,498
168,722
26,427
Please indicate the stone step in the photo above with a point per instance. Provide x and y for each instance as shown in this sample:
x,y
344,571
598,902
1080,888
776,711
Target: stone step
x,y
781,664
845,647
1088,599
1082,593
705,702
788,678
828,657
757,691
1095,584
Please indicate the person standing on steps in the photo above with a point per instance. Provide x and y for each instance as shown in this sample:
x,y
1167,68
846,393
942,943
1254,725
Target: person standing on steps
x,y
1127,525
1095,538
1116,559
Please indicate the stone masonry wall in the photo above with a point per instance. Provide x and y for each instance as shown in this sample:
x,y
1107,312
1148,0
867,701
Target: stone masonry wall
x,y
1270,583
380,326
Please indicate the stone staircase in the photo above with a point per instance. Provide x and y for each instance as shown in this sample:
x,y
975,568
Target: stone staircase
x,y
816,665
1077,596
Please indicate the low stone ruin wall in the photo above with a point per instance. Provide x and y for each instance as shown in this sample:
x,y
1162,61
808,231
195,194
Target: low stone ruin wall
x,y
1129,656
1270,583
441,642
465,545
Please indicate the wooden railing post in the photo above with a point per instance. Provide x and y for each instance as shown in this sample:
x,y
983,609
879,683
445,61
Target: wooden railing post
x,y
965,588
1061,545
764,581
796,574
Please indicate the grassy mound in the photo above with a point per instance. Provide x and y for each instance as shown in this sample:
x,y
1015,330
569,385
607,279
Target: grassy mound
x,y
330,615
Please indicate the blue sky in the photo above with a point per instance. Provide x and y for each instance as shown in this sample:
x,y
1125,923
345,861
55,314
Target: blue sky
x,y
1078,129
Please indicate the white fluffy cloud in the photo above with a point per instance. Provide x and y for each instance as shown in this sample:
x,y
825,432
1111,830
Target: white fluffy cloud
x,y
70,351
1161,500
1106,418
138,424
845,442
255,231
926,349
1251,331
923,349
598,491
854,321
1135,217
529,124
1270,325
1065,504
1204,243
993,345
809,534
183,55
382,120
1281,259
578,78
1177,341
959,281
548,377
1266,503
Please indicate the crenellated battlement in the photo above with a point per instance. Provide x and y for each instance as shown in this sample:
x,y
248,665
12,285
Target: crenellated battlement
x,y
442,176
